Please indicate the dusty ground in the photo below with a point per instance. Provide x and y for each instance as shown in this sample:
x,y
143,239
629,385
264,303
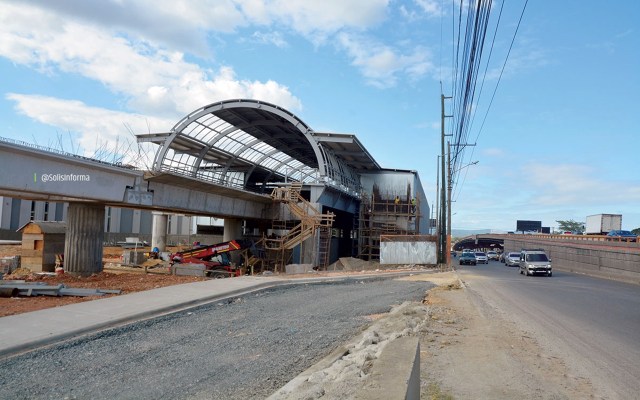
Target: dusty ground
x,y
471,352
467,351
126,279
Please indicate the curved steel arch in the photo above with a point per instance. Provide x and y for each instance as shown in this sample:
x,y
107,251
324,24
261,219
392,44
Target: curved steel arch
x,y
236,142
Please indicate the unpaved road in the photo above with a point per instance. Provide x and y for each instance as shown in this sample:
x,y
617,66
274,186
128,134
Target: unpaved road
x,y
244,348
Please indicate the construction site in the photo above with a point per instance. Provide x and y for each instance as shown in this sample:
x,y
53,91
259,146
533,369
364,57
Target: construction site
x,y
301,237
288,196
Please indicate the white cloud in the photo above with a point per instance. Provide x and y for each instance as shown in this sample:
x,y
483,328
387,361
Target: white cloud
x,y
183,24
274,38
430,7
327,16
569,184
154,81
98,130
380,64
178,24
148,37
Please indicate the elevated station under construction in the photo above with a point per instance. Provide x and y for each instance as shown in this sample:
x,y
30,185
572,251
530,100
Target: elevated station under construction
x,y
332,199
321,196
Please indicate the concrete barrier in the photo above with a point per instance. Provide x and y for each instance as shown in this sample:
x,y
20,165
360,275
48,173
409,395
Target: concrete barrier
x,y
396,373
189,269
605,260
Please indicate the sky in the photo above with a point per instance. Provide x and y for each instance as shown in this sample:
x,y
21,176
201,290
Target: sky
x,y
559,139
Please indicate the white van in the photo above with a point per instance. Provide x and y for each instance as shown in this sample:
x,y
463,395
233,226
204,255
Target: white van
x,y
534,261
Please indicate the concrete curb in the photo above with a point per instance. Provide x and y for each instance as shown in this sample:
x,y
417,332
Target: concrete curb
x,y
396,373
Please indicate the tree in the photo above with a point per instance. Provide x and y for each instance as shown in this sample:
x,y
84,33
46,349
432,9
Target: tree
x,y
571,225
636,231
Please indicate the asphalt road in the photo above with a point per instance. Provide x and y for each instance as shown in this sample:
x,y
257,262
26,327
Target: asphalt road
x,y
593,324
242,348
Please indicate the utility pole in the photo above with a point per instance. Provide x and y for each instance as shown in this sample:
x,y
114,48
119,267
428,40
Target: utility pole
x,y
449,187
443,253
437,224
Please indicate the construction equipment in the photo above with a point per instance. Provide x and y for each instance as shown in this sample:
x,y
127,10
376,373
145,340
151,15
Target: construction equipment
x,y
215,258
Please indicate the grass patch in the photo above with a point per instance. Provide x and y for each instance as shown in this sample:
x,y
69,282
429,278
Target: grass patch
x,y
435,393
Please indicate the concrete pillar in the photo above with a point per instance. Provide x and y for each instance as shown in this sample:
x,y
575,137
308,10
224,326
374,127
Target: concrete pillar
x,y
84,238
159,231
232,229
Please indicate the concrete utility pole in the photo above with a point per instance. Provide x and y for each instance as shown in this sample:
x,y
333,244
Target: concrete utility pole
x,y
443,253
449,187
437,224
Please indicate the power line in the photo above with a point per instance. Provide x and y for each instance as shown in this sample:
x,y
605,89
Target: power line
x,y
467,60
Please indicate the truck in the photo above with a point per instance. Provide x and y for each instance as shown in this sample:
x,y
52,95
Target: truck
x,y
601,224
214,257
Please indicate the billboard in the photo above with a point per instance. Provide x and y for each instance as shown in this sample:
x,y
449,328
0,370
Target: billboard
x,y
523,226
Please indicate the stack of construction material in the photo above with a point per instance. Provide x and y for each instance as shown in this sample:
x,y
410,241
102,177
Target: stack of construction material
x,y
133,257
9,264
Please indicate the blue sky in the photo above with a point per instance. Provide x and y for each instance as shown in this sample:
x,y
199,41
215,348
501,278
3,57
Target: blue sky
x,y
560,141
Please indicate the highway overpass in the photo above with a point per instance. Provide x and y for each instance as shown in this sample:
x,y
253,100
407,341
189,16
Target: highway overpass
x,y
593,255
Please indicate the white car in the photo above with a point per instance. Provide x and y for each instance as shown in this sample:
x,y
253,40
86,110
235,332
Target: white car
x,y
492,255
481,258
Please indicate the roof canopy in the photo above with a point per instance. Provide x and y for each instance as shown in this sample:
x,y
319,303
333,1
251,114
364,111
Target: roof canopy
x,y
250,144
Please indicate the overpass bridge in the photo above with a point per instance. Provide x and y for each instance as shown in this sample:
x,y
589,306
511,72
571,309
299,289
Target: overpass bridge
x,y
222,160
587,254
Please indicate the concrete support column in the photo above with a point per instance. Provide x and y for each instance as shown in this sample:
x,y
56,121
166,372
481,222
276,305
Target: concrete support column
x,y
306,251
84,239
159,231
232,229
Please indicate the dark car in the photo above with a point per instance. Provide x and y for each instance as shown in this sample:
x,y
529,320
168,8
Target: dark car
x,y
623,236
467,258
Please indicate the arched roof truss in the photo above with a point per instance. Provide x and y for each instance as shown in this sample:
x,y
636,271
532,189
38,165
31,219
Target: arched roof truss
x,y
250,144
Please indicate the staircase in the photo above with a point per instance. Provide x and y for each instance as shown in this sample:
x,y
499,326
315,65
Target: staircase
x,y
311,221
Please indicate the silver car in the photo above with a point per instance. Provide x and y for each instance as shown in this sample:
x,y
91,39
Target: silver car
x,y
535,262
512,259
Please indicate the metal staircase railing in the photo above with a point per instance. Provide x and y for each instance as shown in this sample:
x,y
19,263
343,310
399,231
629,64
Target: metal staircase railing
x,y
311,220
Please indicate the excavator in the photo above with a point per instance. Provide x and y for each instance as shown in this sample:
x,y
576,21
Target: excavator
x,y
215,258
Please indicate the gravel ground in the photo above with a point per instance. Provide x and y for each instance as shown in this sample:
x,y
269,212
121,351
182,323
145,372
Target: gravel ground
x,y
242,348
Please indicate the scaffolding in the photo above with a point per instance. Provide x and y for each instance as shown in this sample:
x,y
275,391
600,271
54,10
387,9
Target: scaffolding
x,y
389,214
312,224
